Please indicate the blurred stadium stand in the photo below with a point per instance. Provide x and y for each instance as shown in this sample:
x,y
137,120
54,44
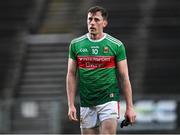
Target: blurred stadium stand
x,y
35,36
13,22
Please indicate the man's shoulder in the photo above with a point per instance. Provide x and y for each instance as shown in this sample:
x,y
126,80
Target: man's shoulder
x,y
79,39
113,40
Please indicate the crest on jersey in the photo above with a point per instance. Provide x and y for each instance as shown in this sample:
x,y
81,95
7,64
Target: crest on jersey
x,y
106,49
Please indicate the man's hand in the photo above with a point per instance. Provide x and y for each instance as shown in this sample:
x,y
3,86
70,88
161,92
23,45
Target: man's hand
x,y
130,115
72,113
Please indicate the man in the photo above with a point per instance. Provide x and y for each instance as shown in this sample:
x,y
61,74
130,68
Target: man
x,y
97,56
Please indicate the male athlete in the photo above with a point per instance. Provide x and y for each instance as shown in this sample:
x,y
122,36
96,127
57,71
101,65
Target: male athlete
x,y
97,56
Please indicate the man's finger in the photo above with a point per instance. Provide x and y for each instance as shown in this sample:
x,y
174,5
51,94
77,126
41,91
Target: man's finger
x,y
75,117
72,116
132,120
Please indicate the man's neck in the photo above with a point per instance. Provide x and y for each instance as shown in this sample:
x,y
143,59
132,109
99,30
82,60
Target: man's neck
x,y
96,36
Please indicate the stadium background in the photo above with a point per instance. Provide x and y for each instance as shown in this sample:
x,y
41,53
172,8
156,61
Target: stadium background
x,y
34,40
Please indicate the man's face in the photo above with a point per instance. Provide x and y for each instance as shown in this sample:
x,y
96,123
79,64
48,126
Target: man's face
x,y
96,23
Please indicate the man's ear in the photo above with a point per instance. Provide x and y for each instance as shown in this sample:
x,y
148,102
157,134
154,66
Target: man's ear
x,y
105,23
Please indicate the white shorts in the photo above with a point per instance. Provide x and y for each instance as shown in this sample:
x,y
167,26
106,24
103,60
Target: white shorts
x,y
91,117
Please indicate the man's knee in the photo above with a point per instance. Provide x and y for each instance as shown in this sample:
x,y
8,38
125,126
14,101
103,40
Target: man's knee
x,y
90,130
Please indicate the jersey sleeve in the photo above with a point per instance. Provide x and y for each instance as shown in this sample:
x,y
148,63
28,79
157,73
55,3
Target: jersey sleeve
x,y
72,53
121,53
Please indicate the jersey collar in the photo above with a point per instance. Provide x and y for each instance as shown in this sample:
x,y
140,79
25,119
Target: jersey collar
x,y
96,40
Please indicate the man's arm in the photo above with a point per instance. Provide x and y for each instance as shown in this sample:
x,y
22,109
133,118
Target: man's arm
x,y
126,87
71,88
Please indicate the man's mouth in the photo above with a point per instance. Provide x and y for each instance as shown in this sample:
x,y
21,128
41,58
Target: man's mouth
x,y
92,28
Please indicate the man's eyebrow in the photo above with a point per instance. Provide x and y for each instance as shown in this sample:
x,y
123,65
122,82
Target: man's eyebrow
x,y
90,17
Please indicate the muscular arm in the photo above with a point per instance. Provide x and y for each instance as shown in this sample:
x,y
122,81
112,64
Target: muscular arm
x,y
71,88
126,87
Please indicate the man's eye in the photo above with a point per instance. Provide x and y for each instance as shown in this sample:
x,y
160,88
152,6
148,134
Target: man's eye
x,y
96,19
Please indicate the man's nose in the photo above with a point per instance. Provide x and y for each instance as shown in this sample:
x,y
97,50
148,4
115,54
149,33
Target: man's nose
x,y
92,22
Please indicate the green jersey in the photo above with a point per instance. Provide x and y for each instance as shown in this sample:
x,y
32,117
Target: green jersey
x,y
96,62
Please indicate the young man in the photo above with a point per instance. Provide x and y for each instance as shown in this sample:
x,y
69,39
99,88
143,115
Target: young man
x,y
97,56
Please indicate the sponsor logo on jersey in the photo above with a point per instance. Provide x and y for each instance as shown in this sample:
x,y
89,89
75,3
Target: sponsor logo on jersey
x,y
93,62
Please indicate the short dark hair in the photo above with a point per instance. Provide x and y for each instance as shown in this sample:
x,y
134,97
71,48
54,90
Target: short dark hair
x,y
95,9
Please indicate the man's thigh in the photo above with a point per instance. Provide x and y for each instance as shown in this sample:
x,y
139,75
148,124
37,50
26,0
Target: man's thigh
x,y
108,126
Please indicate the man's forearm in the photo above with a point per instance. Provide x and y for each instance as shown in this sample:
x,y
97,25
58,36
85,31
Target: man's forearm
x,y
71,88
126,86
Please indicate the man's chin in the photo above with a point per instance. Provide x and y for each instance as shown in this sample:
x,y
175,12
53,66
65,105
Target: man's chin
x,y
93,32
